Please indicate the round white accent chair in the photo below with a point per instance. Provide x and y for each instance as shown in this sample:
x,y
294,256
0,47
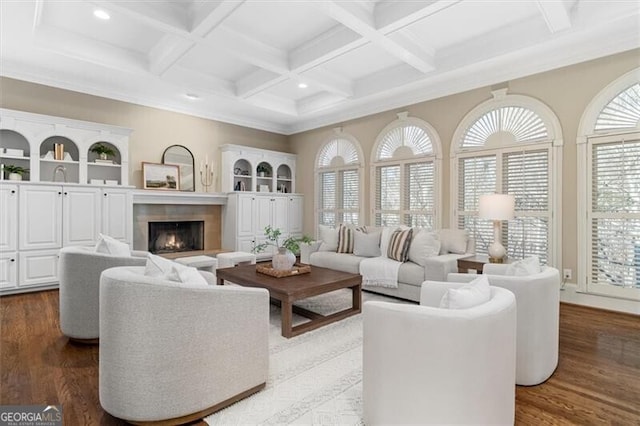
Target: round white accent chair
x,y
175,352
79,270
538,298
429,365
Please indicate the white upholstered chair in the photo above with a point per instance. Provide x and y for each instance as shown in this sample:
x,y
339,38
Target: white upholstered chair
x,y
178,352
538,299
427,365
79,270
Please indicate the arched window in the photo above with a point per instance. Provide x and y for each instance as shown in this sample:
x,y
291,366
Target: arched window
x,y
405,174
338,181
610,236
506,145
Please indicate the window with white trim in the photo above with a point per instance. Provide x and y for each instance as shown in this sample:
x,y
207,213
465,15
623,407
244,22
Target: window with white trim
x,y
507,148
613,197
338,166
405,174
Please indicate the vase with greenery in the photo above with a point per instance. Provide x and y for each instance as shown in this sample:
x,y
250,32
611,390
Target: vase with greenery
x,y
285,258
15,172
263,169
103,151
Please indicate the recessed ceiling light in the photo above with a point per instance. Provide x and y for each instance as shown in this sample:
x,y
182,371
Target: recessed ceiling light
x,y
101,14
302,85
192,96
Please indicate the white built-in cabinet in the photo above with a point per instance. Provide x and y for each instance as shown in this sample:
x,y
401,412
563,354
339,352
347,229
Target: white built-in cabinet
x,y
37,220
257,170
247,214
60,202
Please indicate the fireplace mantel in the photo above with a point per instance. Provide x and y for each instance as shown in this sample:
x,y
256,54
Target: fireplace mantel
x,y
146,196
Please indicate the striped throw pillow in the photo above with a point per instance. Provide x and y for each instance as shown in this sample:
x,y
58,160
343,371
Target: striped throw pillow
x,y
346,238
399,244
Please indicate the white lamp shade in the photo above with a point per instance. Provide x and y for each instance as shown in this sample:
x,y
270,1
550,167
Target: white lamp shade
x,y
497,206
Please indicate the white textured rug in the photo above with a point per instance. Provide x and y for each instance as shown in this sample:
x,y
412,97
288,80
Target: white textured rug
x,y
314,378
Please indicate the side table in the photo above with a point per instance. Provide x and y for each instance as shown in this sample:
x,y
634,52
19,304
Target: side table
x,y
476,262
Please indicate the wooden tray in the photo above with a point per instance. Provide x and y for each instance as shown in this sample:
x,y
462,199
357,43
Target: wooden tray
x,y
298,268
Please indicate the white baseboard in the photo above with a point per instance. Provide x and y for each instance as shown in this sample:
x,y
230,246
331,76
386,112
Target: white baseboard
x,y
570,294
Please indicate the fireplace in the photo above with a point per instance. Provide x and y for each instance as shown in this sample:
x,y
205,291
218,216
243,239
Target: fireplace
x,y
171,237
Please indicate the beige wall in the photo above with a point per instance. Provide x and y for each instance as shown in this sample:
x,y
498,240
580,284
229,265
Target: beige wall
x,y
153,129
567,91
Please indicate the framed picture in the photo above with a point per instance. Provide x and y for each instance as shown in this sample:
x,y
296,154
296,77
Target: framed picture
x,y
160,176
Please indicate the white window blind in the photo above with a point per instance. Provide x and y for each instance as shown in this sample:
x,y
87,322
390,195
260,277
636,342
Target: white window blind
x,y
525,174
476,176
327,201
387,195
419,195
350,184
623,112
615,213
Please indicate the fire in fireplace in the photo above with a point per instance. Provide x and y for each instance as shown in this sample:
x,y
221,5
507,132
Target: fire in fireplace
x,y
170,237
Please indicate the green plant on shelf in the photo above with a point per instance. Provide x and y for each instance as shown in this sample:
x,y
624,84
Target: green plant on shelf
x,y
11,168
264,169
273,239
102,150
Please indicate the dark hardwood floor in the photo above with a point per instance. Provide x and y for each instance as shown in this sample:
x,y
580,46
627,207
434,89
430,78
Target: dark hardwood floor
x,y
597,380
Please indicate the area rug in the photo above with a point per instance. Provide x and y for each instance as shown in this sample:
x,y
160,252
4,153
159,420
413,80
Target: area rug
x,y
314,378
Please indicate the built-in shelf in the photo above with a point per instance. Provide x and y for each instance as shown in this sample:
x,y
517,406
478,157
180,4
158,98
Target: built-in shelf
x,y
104,165
48,160
14,157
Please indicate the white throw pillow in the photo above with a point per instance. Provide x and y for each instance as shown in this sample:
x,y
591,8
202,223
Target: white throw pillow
x,y
385,237
329,237
424,244
453,241
186,275
110,245
366,245
524,267
473,294
157,266
166,269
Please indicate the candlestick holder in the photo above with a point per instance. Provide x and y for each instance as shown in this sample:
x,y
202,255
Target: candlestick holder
x,y
206,177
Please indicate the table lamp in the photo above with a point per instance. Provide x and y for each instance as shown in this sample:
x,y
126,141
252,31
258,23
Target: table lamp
x,y
496,207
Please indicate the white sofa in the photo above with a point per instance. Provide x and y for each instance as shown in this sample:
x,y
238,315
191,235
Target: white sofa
x,y
538,298
427,365
178,352
410,276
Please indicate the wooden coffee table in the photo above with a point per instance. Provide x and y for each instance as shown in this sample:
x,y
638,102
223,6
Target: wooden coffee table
x,y
287,290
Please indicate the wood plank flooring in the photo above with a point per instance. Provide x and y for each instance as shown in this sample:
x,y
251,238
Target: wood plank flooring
x,y
597,380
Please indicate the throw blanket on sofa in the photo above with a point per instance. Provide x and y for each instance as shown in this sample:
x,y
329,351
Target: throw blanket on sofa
x,y
380,271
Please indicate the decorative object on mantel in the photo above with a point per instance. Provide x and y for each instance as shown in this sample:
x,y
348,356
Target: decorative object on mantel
x,y
206,174
160,176
284,259
269,269
104,152
58,151
15,172
181,156
497,207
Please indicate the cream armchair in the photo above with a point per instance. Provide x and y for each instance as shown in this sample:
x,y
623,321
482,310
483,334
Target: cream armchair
x,y
538,298
427,365
178,352
79,272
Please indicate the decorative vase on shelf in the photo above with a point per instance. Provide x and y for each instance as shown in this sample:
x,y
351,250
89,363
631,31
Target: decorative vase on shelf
x,y
103,156
283,260
15,176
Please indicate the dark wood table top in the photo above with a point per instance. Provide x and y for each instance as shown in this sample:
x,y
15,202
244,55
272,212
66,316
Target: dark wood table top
x,y
318,281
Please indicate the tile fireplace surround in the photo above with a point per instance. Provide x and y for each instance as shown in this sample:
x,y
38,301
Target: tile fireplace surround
x,y
176,208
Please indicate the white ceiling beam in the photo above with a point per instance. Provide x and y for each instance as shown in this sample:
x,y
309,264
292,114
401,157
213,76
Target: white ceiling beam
x,y
257,82
386,80
555,14
206,16
200,83
88,50
274,103
363,23
325,47
393,15
318,102
167,52
155,14
328,81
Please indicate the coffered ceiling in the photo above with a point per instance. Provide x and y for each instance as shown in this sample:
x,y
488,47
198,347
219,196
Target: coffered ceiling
x,y
243,62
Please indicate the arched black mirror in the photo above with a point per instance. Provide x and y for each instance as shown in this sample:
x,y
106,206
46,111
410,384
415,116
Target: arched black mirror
x,y
181,156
